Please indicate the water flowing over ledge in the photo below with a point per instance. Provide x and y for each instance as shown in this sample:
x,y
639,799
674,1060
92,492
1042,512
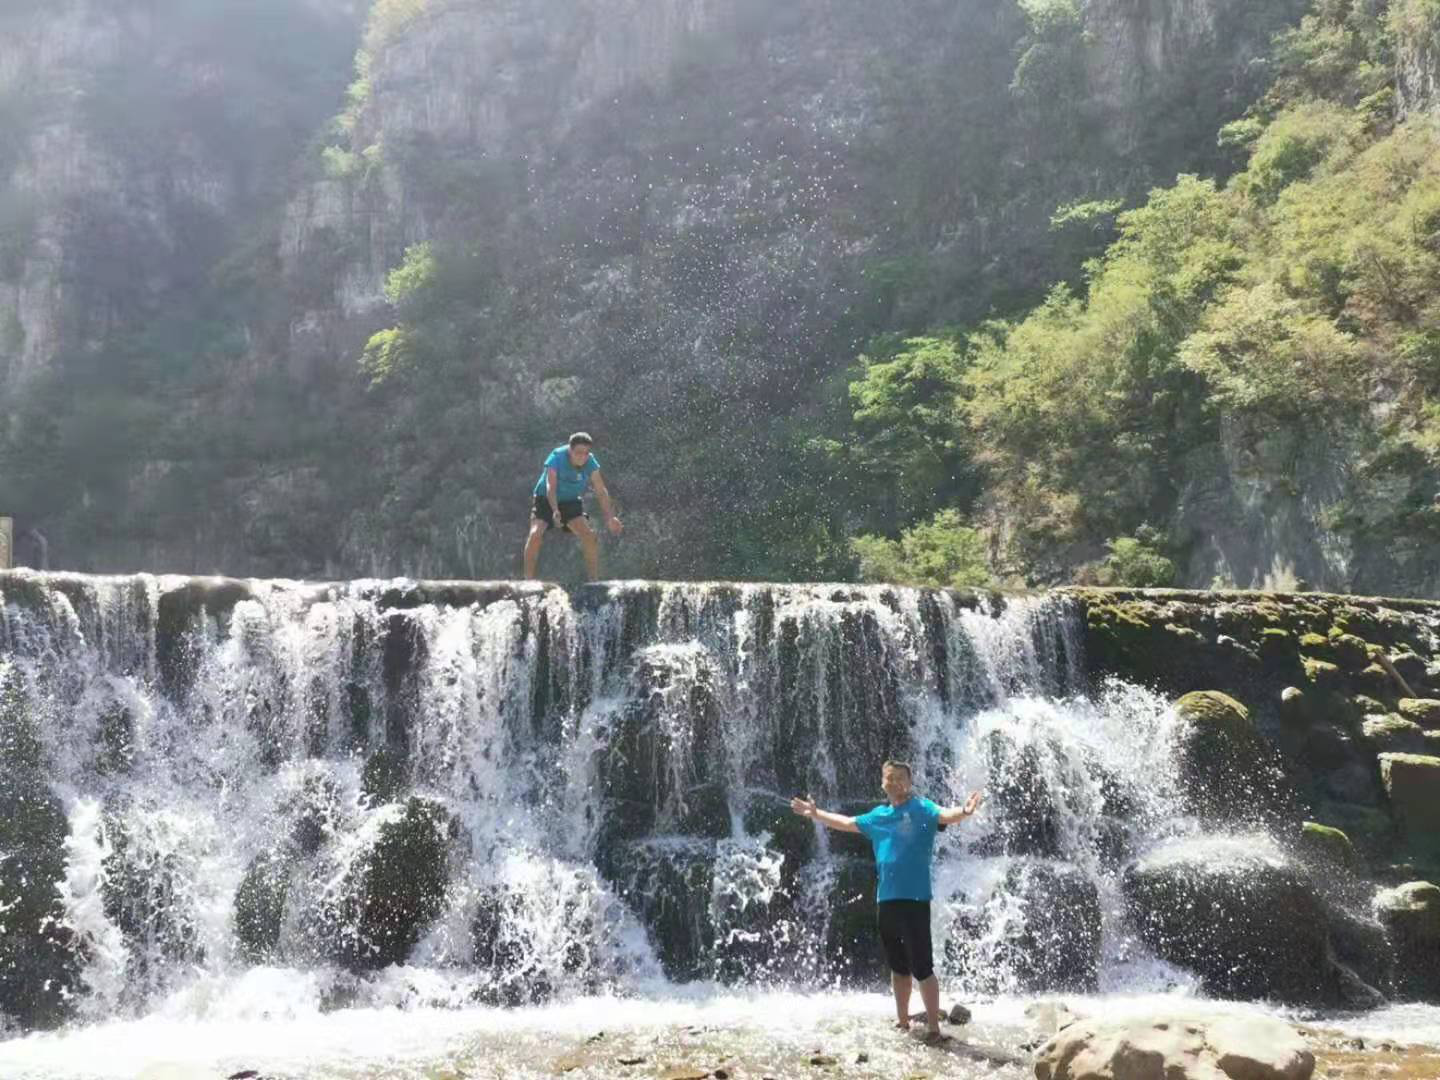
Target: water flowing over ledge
x,y
277,798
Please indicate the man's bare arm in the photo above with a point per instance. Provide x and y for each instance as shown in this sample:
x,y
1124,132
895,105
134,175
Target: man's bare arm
x,y
953,815
552,489
606,508
839,822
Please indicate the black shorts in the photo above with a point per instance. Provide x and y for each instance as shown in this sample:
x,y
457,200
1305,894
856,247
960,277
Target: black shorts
x,y
905,933
570,509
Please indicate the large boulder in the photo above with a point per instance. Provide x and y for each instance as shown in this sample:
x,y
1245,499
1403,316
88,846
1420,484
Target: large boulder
x,y
1411,917
1413,783
1229,772
1176,1048
1025,817
1246,921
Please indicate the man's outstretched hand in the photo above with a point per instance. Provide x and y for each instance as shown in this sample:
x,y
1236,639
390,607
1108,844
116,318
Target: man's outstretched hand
x,y
973,803
613,524
803,807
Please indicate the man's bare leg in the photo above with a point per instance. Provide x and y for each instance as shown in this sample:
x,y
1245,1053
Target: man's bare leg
x,y
900,985
532,548
589,546
930,995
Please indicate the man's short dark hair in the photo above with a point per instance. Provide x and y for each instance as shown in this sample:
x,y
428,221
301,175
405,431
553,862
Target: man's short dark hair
x,y
581,438
909,773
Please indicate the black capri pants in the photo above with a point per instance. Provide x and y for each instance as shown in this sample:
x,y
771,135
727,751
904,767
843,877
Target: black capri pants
x,y
905,933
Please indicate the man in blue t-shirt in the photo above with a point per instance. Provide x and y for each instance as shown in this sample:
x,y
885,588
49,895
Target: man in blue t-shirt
x,y
902,833
556,502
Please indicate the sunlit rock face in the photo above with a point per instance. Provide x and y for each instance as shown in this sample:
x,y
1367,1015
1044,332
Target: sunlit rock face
x,y
452,792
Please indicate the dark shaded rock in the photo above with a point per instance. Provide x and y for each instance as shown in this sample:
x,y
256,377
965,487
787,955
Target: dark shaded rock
x,y
1249,927
851,935
260,908
147,895
1230,773
668,885
958,1015
1025,817
1410,914
1053,936
393,890
1411,668
1327,848
180,616
40,958
385,778
792,835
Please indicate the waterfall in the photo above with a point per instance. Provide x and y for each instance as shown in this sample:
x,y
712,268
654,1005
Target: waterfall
x,y
454,793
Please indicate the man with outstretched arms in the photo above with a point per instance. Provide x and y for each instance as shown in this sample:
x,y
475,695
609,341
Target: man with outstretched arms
x,y
902,833
556,502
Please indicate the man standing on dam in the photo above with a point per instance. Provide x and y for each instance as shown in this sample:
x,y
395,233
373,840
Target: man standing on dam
x,y
902,833
556,503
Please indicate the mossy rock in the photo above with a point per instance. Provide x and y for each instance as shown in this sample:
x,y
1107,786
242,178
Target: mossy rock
x,y
1315,644
1412,781
1277,647
1230,773
1370,829
1392,732
1348,650
1323,845
1423,711
1411,916
1373,681
1322,673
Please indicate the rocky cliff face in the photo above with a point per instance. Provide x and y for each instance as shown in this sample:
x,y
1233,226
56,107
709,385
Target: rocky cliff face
x,y
647,215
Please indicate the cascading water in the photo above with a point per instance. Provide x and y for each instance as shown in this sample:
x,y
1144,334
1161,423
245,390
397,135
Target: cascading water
x,y
314,797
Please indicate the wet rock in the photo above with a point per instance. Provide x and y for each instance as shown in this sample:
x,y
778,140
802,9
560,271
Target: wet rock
x,y
1249,926
1230,773
792,835
147,893
1025,819
668,886
1410,914
1393,733
1412,781
958,1014
180,616
394,889
1174,1048
1052,938
1327,848
851,936
260,907
384,778
824,1059
40,957
1423,711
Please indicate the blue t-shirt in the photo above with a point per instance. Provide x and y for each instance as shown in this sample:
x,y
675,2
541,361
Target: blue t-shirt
x,y
904,840
570,482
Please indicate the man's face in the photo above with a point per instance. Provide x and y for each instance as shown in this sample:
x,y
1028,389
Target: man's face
x,y
895,782
579,453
